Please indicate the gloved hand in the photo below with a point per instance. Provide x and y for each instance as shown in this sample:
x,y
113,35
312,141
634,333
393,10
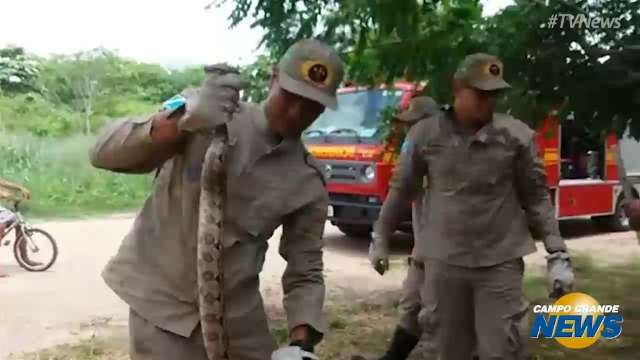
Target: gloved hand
x,y
379,253
216,100
560,275
292,353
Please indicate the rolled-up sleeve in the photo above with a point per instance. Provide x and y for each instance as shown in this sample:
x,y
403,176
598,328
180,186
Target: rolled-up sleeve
x,y
531,184
126,146
303,282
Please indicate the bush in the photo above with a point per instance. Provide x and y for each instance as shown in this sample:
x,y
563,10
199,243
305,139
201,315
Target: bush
x,y
58,173
34,114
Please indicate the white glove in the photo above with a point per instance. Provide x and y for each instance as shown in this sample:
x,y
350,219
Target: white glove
x,y
379,253
560,275
292,353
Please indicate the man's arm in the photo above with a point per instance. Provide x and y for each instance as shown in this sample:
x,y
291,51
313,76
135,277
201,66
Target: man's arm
x,y
303,282
405,182
137,145
533,192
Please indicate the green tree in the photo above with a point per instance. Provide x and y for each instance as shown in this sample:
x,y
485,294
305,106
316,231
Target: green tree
x,y
18,71
592,71
258,75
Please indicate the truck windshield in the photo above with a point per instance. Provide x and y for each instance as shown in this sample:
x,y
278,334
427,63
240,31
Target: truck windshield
x,y
358,114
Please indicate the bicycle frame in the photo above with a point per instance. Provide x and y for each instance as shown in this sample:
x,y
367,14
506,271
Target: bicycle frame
x,y
19,223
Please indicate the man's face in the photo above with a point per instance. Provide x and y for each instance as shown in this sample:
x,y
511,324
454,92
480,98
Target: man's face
x,y
290,114
476,106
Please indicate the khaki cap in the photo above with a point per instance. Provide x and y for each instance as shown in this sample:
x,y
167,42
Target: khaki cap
x,y
482,71
312,69
419,107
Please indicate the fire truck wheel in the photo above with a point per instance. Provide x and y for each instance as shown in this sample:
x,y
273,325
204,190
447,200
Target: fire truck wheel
x,y
616,222
356,231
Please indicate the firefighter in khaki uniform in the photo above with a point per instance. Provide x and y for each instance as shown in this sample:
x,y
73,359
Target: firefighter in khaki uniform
x,y
487,189
408,331
271,181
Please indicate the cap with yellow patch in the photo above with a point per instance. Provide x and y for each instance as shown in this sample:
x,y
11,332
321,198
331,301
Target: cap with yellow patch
x,y
312,69
419,107
482,71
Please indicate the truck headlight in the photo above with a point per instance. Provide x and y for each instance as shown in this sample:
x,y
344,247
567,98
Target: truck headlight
x,y
369,173
327,171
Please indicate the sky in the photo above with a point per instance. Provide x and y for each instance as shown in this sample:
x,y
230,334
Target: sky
x,y
156,31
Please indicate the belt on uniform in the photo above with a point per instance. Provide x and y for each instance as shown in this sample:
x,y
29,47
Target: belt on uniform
x,y
417,263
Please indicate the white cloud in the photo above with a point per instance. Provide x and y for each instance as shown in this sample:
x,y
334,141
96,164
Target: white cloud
x,y
168,32
491,7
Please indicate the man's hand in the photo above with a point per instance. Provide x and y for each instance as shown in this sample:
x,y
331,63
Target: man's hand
x,y
216,100
299,334
379,253
559,274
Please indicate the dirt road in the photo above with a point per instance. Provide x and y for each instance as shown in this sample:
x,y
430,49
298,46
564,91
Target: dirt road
x,y
43,309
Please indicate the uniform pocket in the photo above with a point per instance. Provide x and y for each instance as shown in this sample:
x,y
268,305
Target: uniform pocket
x,y
444,172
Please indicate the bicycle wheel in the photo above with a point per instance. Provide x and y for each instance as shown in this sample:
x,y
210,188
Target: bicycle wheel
x,y
42,250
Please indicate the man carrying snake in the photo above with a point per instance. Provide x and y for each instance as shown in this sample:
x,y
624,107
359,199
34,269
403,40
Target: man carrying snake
x,y
163,270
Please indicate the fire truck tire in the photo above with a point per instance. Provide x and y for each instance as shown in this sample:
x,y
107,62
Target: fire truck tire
x,y
356,231
616,222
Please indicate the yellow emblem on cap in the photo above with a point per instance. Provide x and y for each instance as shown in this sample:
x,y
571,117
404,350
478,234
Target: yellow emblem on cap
x,y
493,69
316,73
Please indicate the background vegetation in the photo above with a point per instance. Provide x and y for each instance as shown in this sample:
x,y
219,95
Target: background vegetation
x,y
51,108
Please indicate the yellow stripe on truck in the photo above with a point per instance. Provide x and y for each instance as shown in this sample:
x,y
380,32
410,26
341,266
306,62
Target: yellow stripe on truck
x,y
551,156
333,151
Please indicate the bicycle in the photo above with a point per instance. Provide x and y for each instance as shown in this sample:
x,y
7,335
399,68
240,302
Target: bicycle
x,y
32,235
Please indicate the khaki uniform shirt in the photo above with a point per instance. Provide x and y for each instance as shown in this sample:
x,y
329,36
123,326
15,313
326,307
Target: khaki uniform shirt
x,y
269,183
485,191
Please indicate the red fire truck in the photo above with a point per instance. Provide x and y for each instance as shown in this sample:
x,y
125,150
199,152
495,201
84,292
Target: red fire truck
x,y
582,178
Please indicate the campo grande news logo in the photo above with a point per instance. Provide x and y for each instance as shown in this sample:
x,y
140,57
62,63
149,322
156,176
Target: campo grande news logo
x,y
577,321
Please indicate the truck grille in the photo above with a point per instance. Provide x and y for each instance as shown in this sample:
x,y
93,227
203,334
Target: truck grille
x,y
345,172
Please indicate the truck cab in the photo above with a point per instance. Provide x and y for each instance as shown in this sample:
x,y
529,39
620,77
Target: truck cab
x,y
358,154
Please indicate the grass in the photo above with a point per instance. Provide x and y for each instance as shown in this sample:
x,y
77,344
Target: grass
x,y
62,182
365,325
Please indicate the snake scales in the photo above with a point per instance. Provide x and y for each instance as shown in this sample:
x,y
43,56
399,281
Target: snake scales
x,y
210,230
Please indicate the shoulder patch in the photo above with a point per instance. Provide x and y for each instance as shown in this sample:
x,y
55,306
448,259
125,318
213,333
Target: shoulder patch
x,y
405,146
316,165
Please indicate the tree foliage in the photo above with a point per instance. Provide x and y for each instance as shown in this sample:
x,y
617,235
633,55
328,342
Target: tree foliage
x,y
584,71
258,75
549,68
18,71
63,94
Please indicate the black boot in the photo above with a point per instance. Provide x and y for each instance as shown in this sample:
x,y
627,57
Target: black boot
x,y
401,346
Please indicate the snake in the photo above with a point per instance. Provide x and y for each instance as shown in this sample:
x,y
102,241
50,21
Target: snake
x,y
210,244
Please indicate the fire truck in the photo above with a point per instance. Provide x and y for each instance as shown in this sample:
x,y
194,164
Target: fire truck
x,y
358,163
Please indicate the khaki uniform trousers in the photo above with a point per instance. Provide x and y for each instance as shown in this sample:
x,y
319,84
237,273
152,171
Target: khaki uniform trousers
x,y
484,304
